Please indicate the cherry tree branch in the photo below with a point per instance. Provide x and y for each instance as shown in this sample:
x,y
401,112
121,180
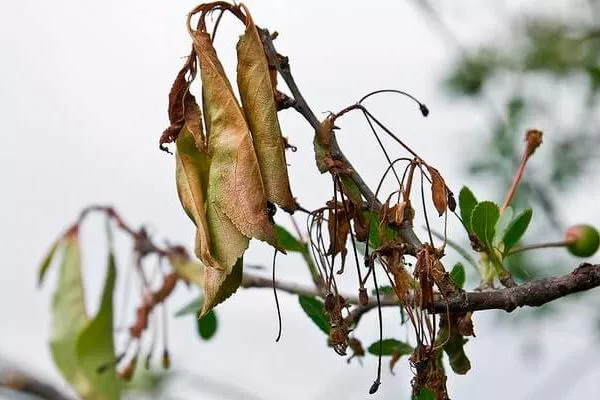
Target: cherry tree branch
x,y
534,293
28,384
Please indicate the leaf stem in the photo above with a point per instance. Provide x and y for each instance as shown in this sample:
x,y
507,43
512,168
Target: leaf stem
x,y
537,246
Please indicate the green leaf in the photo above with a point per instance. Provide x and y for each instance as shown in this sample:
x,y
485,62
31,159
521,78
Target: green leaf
x,y
193,307
454,347
384,291
95,346
372,220
466,202
390,347
458,275
47,261
483,221
314,308
207,325
288,241
425,394
69,317
516,229
502,225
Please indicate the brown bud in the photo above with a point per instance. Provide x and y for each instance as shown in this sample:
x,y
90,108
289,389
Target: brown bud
x,y
166,360
363,297
533,138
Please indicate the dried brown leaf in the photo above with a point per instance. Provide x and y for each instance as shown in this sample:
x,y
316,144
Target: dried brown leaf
x,y
438,191
183,109
235,185
339,228
256,92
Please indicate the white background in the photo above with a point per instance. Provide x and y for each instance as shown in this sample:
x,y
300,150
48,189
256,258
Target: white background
x,y
83,98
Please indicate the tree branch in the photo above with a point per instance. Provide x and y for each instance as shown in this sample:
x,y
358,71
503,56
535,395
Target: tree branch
x,y
23,383
533,293
283,67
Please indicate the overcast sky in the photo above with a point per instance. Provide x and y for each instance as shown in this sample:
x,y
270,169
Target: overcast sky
x,y
83,99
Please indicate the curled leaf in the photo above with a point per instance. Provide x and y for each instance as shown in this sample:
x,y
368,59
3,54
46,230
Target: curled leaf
x,y
219,286
256,92
192,180
339,228
322,144
439,193
183,109
235,185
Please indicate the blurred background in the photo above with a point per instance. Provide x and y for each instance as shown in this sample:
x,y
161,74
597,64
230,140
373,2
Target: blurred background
x,y
83,94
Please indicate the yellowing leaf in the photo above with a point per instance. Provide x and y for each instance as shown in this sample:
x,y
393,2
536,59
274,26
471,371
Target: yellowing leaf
x,y
69,317
192,181
256,92
235,185
95,346
187,269
219,286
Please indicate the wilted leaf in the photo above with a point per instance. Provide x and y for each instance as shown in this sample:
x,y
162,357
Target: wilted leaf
x,y
95,346
516,229
454,348
467,202
207,325
235,185
458,275
322,143
193,307
256,92
288,241
69,317
183,109
376,228
192,181
219,286
439,194
339,228
389,347
187,269
314,308
483,221
47,261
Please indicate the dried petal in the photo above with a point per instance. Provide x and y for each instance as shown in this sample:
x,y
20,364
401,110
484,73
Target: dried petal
x,y
256,92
